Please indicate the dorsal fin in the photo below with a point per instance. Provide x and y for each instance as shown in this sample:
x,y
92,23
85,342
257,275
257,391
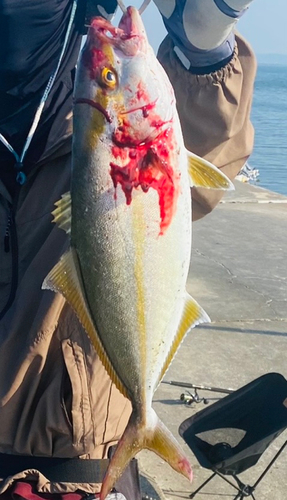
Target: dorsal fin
x,y
62,214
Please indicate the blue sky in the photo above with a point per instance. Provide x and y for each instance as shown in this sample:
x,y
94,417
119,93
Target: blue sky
x,y
264,25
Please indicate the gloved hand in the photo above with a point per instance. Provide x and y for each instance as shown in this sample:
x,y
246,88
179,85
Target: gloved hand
x,y
202,30
104,8
91,8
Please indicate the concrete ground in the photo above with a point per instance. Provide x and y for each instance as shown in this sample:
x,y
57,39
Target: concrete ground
x,y
238,274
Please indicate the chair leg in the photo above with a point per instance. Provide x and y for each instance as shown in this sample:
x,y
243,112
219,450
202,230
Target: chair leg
x,y
245,490
241,496
238,496
270,465
192,495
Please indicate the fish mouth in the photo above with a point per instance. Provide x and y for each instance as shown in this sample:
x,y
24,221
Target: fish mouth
x,y
129,37
131,23
96,105
107,32
130,26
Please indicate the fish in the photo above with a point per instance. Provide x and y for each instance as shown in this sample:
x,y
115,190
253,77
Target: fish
x,y
129,219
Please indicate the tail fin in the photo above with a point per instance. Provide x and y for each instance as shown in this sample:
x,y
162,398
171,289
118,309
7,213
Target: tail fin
x,y
153,436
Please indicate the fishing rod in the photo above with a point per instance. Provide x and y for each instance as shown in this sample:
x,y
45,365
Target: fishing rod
x,y
195,386
188,398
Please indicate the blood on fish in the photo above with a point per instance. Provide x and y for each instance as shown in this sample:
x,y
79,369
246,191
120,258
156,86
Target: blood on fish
x,y
141,92
94,59
141,101
148,166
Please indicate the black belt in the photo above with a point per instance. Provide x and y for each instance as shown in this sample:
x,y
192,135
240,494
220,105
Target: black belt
x,y
56,470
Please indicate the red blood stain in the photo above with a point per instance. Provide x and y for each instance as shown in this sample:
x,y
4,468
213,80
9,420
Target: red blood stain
x,y
145,111
141,100
141,91
149,166
94,59
140,94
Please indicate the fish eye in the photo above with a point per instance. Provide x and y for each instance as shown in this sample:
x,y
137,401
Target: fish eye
x,y
109,78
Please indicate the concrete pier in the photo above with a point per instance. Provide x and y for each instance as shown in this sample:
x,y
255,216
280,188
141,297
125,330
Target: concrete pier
x,y
238,274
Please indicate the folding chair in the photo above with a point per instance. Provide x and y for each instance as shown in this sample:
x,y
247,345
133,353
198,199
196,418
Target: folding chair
x,y
229,436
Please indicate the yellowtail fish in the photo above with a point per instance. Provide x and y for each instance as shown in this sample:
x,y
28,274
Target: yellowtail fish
x,y
129,217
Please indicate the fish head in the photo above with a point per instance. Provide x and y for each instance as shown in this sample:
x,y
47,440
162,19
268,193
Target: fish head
x,y
119,75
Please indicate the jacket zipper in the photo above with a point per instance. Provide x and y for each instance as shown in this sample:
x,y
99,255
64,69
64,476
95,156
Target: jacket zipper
x,y
7,231
11,244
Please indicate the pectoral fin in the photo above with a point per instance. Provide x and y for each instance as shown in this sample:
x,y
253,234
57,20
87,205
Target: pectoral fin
x,y
203,174
62,214
192,315
65,278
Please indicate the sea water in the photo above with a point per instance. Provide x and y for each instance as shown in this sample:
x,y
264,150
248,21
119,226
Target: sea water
x,y
269,118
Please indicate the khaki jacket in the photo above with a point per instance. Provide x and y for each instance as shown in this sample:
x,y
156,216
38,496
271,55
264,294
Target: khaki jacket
x,y
214,111
55,396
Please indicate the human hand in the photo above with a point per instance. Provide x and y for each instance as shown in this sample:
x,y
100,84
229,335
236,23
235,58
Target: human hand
x,y
86,11
104,8
202,30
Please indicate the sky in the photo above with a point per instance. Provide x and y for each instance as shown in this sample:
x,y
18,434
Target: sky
x,y
264,25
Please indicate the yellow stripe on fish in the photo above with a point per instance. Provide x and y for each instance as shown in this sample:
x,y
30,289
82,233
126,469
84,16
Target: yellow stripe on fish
x,y
138,224
98,121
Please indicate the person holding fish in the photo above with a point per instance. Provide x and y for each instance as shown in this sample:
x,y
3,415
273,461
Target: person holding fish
x,y
121,260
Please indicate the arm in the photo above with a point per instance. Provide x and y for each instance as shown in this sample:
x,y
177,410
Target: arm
x,y
214,101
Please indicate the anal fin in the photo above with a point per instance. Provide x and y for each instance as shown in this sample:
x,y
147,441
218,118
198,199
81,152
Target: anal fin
x,y
65,278
192,315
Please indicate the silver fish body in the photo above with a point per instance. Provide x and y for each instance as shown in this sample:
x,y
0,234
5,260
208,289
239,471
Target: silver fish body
x,y
134,260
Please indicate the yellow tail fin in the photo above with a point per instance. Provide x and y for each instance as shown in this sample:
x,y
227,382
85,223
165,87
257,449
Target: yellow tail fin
x,y
152,435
